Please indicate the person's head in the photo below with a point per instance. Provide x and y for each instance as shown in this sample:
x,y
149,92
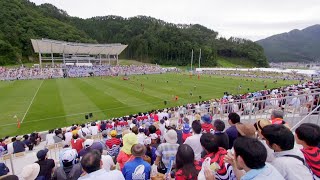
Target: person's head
x,y
134,129
57,132
113,133
208,143
75,136
42,154
138,150
206,119
31,171
26,136
234,118
171,136
261,123
87,143
152,129
250,153
219,125
196,127
13,139
186,128
185,161
91,161
308,134
51,131
128,141
277,114
246,129
83,125
278,137
68,157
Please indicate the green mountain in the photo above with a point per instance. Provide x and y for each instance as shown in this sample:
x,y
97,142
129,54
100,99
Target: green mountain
x,y
296,45
149,39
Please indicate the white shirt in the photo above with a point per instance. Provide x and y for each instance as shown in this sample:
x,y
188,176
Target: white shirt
x,y
94,130
291,168
68,136
107,162
102,175
194,142
85,130
141,137
10,148
49,139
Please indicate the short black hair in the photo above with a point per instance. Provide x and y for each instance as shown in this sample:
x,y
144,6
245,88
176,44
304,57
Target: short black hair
x,y
83,125
280,135
152,129
207,140
91,161
252,151
309,133
219,125
196,127
234,118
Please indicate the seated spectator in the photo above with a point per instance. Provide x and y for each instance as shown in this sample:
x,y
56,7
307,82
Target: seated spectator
x,y
185,132
308,135
30,172
46,165
91,164
137,168
277,117
251,160
83,132
167,151
206,126
113,144
18,145
93,129
77,143
288,161
125,153
221,137
233,119
58,136
89,145
27,142
187,167
68,136
194,140
215,152
35,138
259,125
151,151
69,169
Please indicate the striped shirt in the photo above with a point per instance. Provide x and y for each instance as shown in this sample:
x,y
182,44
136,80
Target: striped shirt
x,y
167,151
312,156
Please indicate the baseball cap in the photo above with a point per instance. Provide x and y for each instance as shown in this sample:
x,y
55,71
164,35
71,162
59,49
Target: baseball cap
x,y
186,128
113,133
87,143
68,155
42,153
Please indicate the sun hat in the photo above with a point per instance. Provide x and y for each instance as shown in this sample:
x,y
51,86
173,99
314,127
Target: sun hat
x,y
128,141
171,136
31,171
261,123
186,128
42,153
206,118
138,150
113,133
88,143
247,130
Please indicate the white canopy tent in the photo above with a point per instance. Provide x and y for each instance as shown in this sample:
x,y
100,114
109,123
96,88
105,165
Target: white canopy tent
x,y
76,52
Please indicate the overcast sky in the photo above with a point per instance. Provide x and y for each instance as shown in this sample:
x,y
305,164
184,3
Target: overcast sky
x,y
251,19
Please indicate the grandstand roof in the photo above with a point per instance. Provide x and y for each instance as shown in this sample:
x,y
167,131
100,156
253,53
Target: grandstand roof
x,y
48,46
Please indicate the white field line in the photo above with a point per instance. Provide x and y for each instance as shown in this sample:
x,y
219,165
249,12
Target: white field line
x,y
31,102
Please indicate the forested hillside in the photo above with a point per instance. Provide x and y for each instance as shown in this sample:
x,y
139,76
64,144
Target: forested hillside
x,y
149,39
296,45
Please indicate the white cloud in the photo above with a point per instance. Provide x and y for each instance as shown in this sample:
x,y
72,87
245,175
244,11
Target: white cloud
x,y
252,19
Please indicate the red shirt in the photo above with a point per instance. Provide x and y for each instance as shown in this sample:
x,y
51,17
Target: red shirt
x,y
312,156
125,123
218,157
277,121
158,132
77,144
109,126
206,127
180,176
156,118
113,141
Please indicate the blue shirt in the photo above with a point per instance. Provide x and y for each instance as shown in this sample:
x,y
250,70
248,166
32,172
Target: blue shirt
x,y
232,134
267,172
137,169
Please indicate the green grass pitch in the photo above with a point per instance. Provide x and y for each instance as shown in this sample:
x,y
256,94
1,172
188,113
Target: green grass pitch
x,y
53,103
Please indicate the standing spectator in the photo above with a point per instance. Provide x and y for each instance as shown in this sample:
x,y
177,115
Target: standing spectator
x,y
10,145
251,160
77,143
30,172
58,136
220,137
288,161
141,136
46,165
167,151
151,151
187,167
137,168
69,169
179,133
68,136
93,129
232,131
308,135
185,132
91,164
49,137
125,155
215,152
18,145
194,140
113,144
206,125
83,132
